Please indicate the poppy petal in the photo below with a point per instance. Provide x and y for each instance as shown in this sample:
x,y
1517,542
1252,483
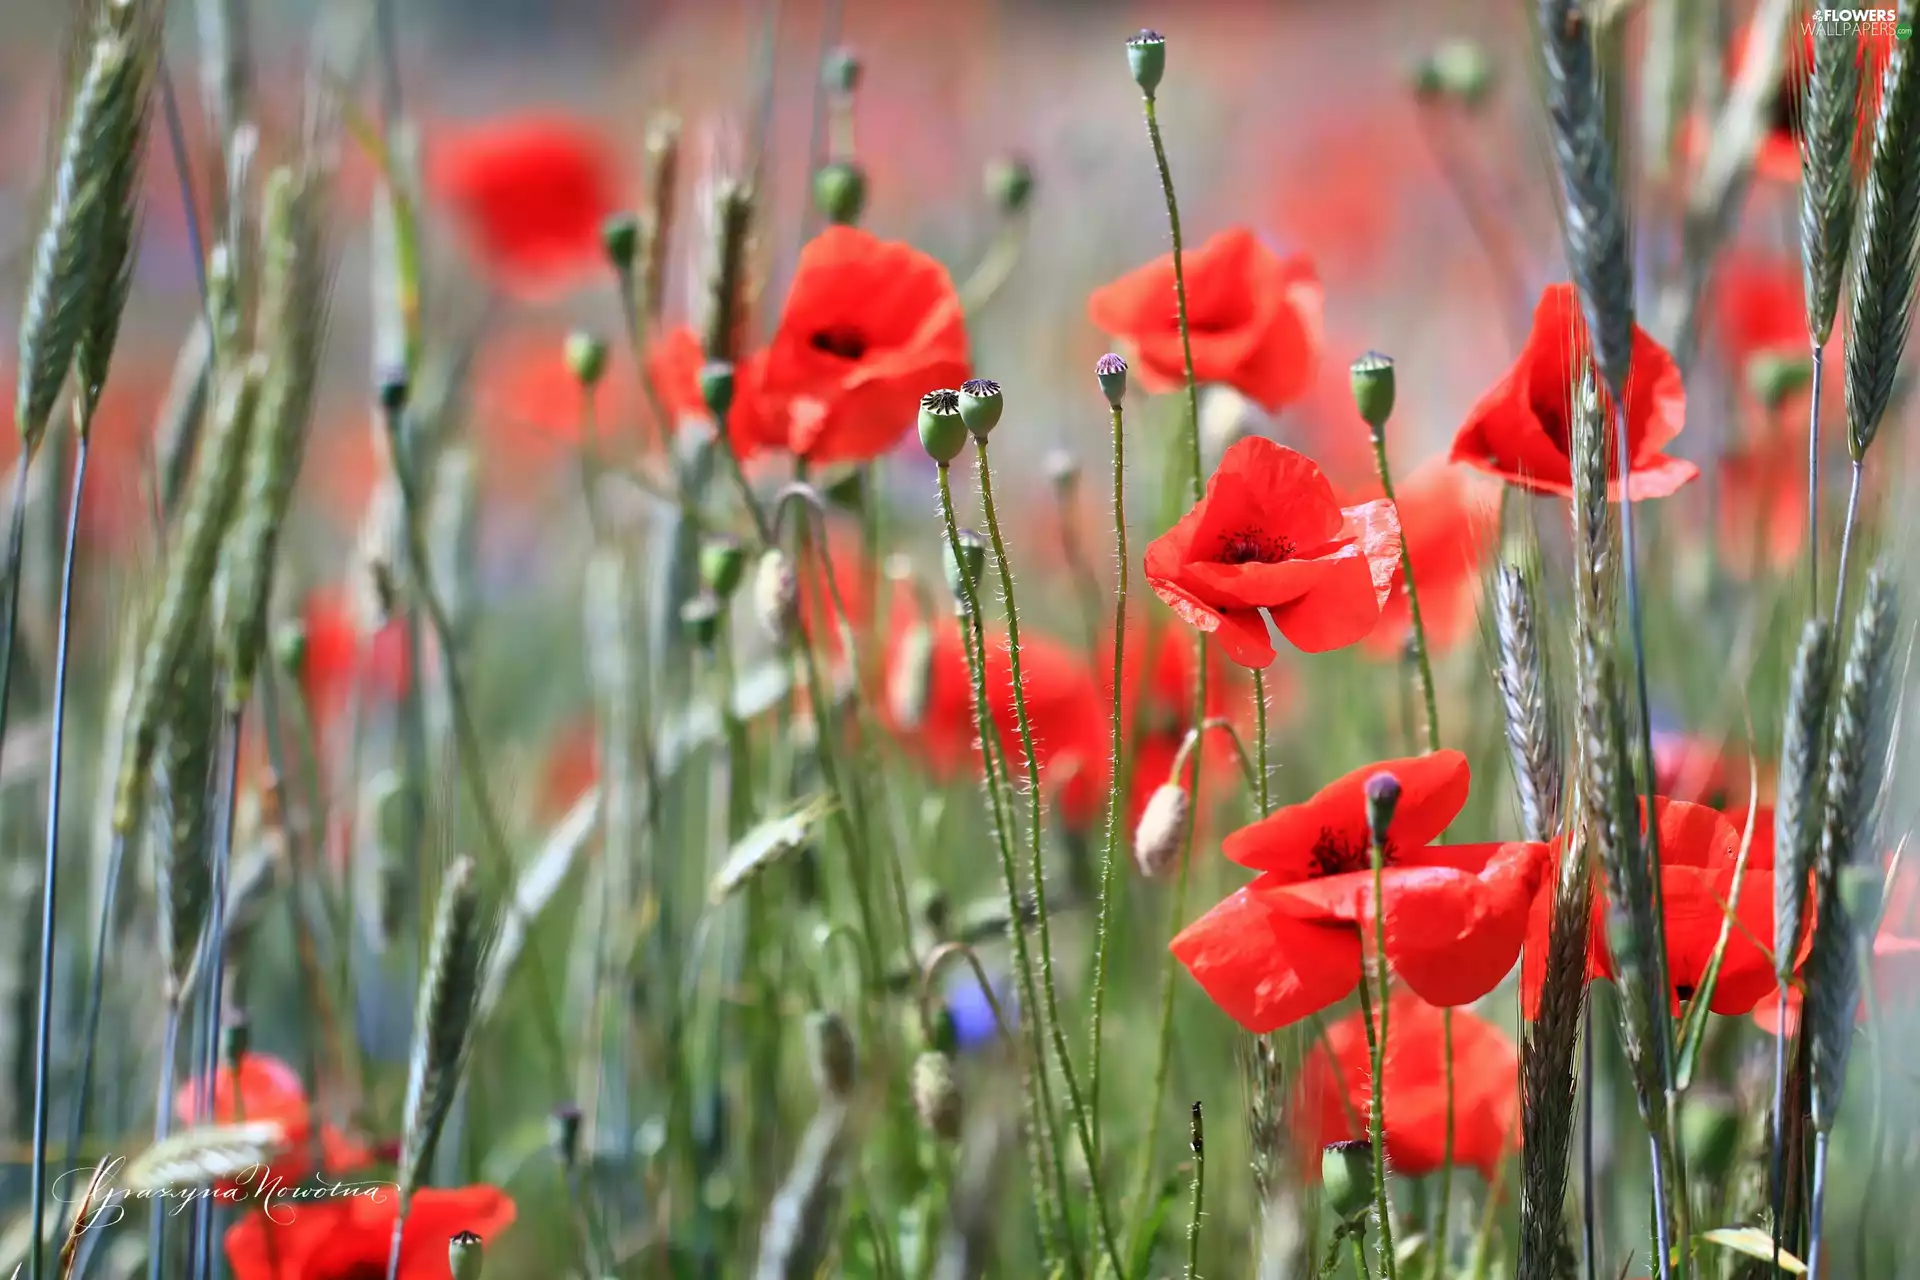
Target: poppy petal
x,y
1263,968
1451,935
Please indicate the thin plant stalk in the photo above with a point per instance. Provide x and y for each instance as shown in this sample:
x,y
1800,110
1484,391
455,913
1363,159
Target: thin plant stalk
x,y
1819,352
16,543
1036,861
1199,1143
215,960
1260,769
1110,853
1820,1140
43,1026
162,1125
1419,630
1377,1045
96,994
1846,542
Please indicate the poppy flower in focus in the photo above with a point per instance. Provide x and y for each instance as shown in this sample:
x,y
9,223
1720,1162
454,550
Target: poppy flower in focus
x,y
1336,1089
1290,944
869,326
1253,317
1699,848
1521,429
1447,517
348,1237
1269,534
334,649
531,192
270,1092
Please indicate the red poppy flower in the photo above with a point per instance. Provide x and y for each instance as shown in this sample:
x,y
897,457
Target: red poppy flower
x,y
1290,943
1896,960
674,361
348,1238
1697,769
1336,1089
869,326
532,193
1699,848
1271,535
1758,306
1253,317
1520,429
1447,518
270,1092
1763,503
532,411
335,644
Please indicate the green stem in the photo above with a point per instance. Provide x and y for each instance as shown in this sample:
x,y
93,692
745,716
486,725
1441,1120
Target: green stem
x,y
1199,1195
1179,298
1047,1143
1377,1044
1446,1160
1420,655
1036,860
1110,855
1360,1269
1260,740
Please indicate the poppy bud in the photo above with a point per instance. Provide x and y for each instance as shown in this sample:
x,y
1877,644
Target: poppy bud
x,y
1010,184
910,677
716,388
620,237
776,593
1111,371
290,646
830,1055
1773,377
700,618
1457,69
723,562
840,192
1163,824
1709,1135
942,432
1383,797
563,1134
1063,470
1373,389
980,406
236,1038
391,388
936,1095
973,560
466,1256
586,358
1147,55
841,70
1346,1172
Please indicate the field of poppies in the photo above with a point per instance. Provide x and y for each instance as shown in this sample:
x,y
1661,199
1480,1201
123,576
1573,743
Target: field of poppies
x,y
804,638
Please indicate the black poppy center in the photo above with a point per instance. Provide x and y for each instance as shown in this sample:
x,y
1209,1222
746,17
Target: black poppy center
x,y
841,340
1334,854
1250,546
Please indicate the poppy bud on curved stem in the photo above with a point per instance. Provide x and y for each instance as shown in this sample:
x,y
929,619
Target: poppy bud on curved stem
x,y
980,406
723,562
620,238
840,192
586,358
716,388
466,1256
1346,1171
1383,797
1111,372
1162,826
700,617
936,1095
841,70
943,434
1010,184
776,594
1373,389
1147,56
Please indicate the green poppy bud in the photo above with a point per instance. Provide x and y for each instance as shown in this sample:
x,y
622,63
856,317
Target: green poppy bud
x,y
1772,377
1111,371
1010,184
716,388
620,237
841,70
840,192
972,562
1162,827
586,358
943,434
776,594
980,406
466,1256
1346,1172
1147,56
700,618
723,562
1373,389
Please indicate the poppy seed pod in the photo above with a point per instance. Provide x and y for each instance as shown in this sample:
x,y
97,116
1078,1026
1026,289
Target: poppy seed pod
x,y
980,406
776,594
1010,184
942,432
723,562
973,561
700,618
586,358
936,1095
620,237
1373,389
841,70
563,1134
1163,824
830,1055
1773,377
1346,1171
1111,371
840,192
716,388
1383,797
466,1256
1147,56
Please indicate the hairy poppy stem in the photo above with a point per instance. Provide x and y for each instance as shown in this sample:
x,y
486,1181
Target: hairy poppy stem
x,y
1041,1119
1264,794
1036,860
43,1027
1377,1045
1110,853
1199,1143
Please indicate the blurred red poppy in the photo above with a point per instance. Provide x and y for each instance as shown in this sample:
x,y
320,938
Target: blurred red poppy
x,y
1763,502
674,361
1520,430
348,1238
1253,317
1697,769
869,327
1447,522
1271,535
1336,1089
1896,960
532,411
335,644
1758,306
532,192
1290,943
1699,848
270,1092
1778,158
